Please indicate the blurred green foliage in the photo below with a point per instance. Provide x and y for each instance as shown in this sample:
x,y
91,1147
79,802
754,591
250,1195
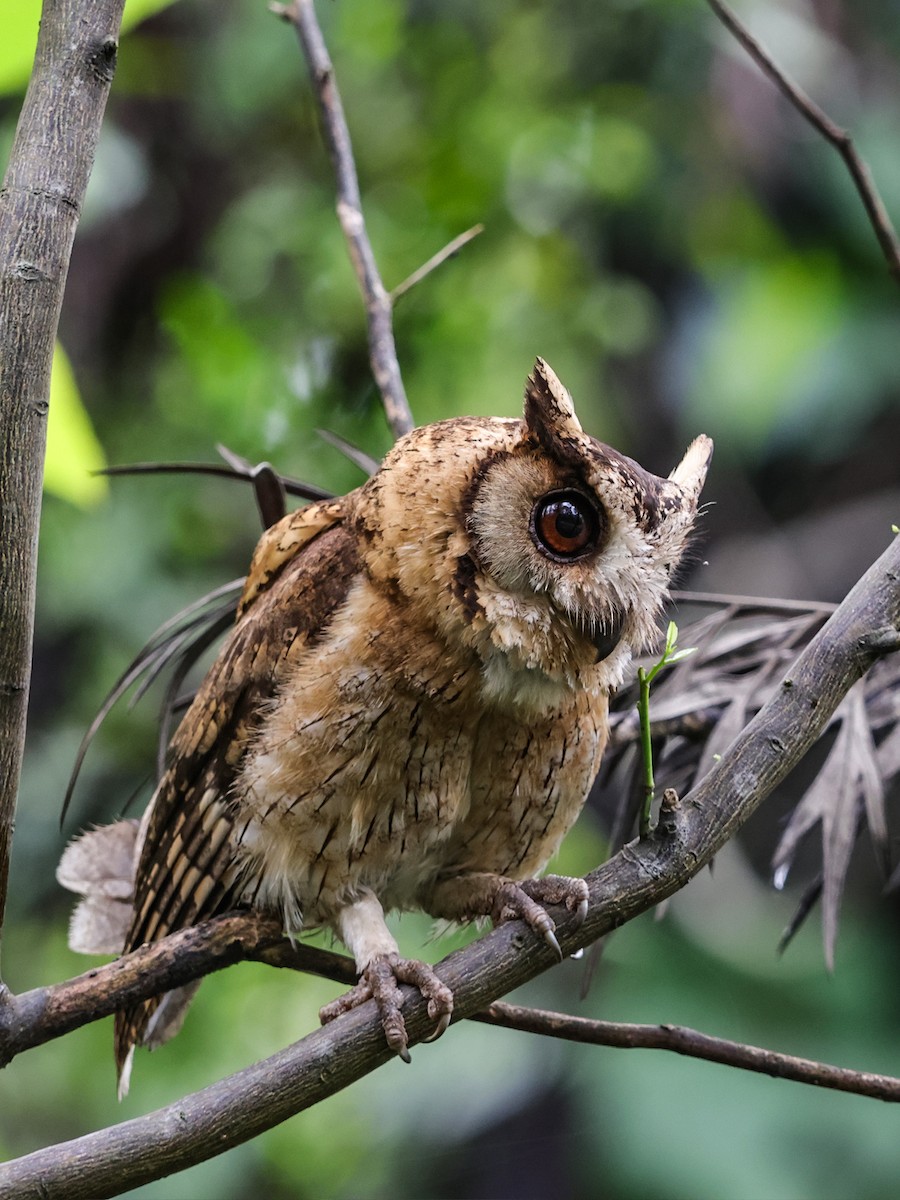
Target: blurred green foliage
x,y
687,255
20,28
74,456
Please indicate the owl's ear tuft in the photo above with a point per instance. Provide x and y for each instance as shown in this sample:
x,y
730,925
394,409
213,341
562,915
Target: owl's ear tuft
x,y
549,411
690,473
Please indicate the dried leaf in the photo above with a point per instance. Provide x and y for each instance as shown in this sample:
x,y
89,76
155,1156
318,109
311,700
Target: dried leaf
x,y
811,896
731,722
847,784
180,639
358,457
700,705
888,755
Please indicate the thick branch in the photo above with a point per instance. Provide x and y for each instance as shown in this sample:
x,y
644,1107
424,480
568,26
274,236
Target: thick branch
x,y
693,1044
823,124
642,874
382,350
39,207
45,1013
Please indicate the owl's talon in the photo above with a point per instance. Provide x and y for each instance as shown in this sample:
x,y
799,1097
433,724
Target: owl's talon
x,y
560,889
512,901
526,899
438,995
440,1028
550,939
380,982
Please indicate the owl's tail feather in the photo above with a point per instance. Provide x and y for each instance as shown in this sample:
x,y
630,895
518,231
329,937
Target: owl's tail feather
x,y
99,866
186,873
162,1017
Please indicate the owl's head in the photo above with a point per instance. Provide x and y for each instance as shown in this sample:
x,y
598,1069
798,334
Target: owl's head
x,y
540,547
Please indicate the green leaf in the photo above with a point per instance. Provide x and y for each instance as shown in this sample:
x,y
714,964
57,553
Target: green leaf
x,y
21,19
73,451
679,655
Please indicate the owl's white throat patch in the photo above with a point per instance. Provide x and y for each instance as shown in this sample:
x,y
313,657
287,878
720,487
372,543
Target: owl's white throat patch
x,y
529,688
532,656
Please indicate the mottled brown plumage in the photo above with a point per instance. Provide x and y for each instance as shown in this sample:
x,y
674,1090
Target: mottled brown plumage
x,y
412,704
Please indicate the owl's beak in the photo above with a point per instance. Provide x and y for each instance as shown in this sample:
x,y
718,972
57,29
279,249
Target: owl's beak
x,y
609,634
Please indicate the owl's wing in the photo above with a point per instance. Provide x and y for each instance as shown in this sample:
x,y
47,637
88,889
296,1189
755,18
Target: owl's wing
x,y
300,574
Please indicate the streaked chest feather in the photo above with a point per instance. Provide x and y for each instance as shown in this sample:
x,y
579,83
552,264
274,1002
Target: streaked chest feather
x,y
363,776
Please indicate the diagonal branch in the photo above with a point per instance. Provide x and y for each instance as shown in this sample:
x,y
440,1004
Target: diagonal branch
x,y
382,349
823,124
40,203
687,837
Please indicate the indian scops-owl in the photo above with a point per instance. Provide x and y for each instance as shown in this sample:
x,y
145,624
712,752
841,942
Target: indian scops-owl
x,y
411,706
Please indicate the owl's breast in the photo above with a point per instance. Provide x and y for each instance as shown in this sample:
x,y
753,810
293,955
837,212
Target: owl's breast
x,y
529,782
361,770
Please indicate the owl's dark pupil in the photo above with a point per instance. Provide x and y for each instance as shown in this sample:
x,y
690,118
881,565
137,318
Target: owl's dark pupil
x,y
569,521
566,525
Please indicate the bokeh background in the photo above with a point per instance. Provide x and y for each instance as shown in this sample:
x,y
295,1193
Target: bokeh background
x,y
688,256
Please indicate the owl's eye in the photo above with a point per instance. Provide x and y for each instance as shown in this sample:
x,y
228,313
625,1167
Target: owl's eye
x,y
566,525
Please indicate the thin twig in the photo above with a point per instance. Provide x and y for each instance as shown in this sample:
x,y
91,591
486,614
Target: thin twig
x,y
834,134
435,261
753,605
693,1044
294,487
382,349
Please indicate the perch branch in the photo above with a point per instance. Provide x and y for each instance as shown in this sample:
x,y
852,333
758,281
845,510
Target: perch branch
x,y
823,124
693,1044
45,1013
382,350
40,203
638,877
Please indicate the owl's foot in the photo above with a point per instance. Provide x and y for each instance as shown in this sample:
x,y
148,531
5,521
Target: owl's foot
x,y
380,981
560,889
525,900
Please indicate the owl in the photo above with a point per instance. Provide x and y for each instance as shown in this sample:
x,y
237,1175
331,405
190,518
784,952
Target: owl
x,y
411,706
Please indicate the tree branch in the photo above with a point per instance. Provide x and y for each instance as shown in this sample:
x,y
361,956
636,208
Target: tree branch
x,y
38,1016
382,350
687,837
693,1044
40,203
823,124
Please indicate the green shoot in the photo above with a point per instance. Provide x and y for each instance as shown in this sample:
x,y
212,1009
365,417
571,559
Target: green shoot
x,y
670,655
